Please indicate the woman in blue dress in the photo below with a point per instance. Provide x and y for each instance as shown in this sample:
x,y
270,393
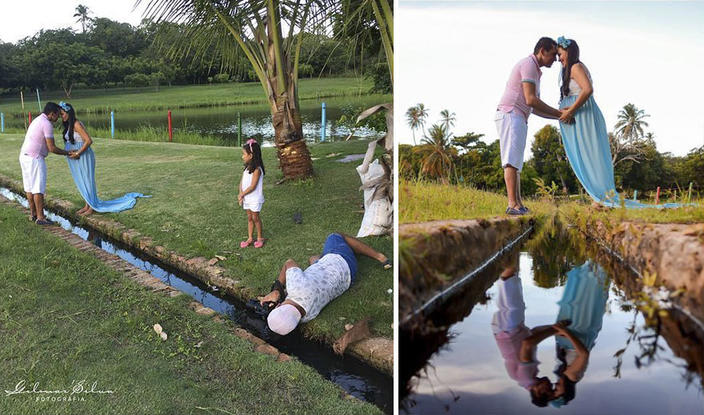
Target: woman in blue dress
x,y
586,140
78,141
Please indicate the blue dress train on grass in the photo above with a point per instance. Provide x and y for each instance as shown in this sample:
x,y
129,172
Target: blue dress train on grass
x,y
83,172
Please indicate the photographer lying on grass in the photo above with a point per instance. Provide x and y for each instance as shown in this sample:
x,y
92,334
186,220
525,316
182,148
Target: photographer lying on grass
x,y
298,295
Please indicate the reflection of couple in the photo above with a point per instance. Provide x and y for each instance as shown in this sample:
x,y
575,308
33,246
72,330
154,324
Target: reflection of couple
x,y
582,125
578,324
39,141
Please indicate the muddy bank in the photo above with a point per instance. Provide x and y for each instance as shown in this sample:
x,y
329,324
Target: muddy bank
x,y
376,352
674,252
434,254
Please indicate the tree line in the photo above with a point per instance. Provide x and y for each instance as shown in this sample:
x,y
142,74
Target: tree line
x,y
466,159
107,53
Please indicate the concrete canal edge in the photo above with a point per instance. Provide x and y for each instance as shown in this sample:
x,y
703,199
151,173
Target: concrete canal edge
x,y
377,352
674,252
433,255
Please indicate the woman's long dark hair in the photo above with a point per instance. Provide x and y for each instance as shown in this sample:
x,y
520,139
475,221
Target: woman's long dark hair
x,y
252,147
68,124
570,386
572,58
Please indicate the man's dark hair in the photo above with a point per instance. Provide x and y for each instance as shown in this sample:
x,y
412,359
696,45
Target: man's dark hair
x,y
539,400
546,43
51,107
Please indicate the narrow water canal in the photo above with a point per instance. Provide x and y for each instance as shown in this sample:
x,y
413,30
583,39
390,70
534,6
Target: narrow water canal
x,y
473,355
353,376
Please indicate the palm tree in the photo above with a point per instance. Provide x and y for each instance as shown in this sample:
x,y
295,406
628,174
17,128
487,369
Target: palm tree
x,y
415,117
413,120
255,29
82,14
630,122
448,119
436,153
422,116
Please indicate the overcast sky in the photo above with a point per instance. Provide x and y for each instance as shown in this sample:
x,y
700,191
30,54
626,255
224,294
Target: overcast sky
x,y
18,21
458,55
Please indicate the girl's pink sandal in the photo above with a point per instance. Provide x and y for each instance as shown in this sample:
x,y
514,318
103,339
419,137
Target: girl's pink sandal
x,y
245,244
258,244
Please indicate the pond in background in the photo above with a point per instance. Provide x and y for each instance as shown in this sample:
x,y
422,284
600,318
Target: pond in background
x,y
467,371
221,121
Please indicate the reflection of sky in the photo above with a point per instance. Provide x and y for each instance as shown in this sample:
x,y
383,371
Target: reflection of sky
x,y
472,368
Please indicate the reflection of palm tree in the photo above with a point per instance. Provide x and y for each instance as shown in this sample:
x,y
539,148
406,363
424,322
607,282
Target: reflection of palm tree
x,y
436,153
82,14
630,122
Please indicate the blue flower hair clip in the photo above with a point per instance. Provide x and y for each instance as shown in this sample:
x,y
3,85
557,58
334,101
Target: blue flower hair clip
x,y
563,43
65,106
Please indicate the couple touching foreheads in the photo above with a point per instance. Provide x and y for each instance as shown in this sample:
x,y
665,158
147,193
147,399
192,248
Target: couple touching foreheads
x,y
39,141
582,124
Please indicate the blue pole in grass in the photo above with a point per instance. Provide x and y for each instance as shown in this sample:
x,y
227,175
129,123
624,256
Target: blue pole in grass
x,y
2,122
322,125
635,195
112,124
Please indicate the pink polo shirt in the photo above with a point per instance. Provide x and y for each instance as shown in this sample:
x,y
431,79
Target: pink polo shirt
x,y
34,141
526,70
524,373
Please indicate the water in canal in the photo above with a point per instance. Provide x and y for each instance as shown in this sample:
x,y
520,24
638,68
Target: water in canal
x,y
484,350
353,376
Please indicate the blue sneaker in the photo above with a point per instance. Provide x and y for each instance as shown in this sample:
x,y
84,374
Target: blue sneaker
x,y
514,212
524,209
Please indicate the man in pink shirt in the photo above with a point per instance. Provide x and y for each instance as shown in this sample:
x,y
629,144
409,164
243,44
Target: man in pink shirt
x,y
38,142
521,97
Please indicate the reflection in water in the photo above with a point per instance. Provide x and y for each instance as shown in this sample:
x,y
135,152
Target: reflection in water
x,y
582,305
540,339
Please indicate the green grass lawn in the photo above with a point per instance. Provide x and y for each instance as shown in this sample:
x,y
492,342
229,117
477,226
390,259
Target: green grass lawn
x,y
189,96
65,316
194,212
426,201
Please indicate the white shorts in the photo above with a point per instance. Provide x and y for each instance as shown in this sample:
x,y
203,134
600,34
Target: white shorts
x,y
513,132
253,206
33,174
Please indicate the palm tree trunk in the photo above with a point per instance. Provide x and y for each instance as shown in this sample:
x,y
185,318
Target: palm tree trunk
x,y
293,154
291,149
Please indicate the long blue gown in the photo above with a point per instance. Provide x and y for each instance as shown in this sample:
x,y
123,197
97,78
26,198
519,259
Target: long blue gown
x,y
584,302
83,172
587,146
